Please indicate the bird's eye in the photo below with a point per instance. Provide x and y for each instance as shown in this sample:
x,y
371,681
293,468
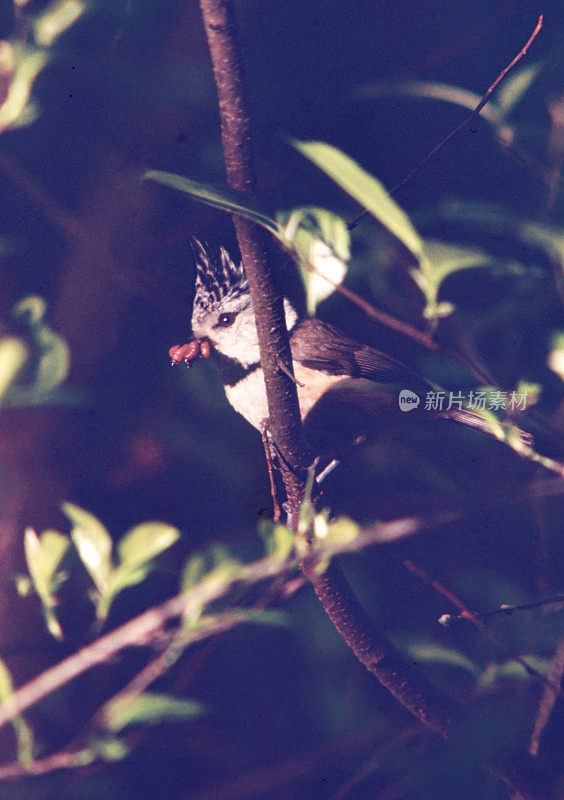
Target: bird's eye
x,y
226,320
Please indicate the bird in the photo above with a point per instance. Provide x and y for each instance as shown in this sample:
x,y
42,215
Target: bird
x,y
347,390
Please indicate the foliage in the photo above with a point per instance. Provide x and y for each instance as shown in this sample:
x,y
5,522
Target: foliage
x,y
134,555
38,346
21,62
469,258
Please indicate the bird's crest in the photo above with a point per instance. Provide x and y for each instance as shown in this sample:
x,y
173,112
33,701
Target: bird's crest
x,y
218,278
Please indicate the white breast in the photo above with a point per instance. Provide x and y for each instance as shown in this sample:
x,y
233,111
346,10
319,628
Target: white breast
x,y
248,396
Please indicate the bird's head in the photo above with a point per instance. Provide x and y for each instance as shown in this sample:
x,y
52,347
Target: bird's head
x,y
223,311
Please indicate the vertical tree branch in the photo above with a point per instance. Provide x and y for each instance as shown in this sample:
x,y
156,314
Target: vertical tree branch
x,y
284,414
402,678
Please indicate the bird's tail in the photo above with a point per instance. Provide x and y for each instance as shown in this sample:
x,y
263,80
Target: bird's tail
x,y
490,426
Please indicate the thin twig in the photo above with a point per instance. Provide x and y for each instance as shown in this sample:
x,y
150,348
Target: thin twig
x,y
140,631
549,697
374,763
64,759
29,186
270,468
505,609
286,371
475,620
464,123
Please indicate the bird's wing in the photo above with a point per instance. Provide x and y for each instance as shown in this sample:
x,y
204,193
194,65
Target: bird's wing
x,y
318,345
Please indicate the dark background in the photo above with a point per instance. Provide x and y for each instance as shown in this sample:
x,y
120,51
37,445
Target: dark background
x,y
291,715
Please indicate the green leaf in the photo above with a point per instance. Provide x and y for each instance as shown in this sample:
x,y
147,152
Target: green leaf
x,y
193,572
24,585
93,543
43,556
513,670
306,515
261,616
30,311
334,534
445,259
513,88
225,567
432,90
216,565
148,709
278,539
54,546
24,735
13,356
144,542
20,66
54,360
39,564
217,562
108,748
121,578
556,355
56,19
432,653
322,243
222,197
366,190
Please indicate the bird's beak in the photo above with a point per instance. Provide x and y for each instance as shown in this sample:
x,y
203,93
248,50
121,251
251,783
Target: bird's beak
x,y
197,348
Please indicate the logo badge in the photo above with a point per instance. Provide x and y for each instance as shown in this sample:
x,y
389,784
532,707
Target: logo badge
x,y
408,400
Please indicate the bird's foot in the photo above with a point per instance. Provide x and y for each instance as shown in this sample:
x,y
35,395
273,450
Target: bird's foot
x,y
271,455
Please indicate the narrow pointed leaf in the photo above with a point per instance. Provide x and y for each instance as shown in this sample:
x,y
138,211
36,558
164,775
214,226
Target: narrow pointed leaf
x,y
278,539
144,542
148,709
54,546
432,653
13,356
35,563
93,543
24,735
54,360
43,556
366,190
123,577
514,87
218,197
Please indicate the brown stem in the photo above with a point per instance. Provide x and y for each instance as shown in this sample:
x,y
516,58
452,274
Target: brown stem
x,y
401,677
284,415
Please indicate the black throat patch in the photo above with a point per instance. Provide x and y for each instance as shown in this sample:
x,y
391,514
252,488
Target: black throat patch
x,y
232,371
